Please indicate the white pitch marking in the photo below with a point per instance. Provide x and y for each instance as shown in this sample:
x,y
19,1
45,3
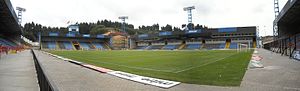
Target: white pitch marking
x,y
139,68
204,64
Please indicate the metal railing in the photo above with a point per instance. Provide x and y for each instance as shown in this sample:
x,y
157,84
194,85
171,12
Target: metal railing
x,y
44,82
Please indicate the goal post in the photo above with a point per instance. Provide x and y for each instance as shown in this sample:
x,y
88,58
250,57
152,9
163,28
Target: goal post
x,y
243,47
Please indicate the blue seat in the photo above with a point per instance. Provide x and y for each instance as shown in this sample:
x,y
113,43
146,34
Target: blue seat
x,y
68,45
84,45
193,46
141,47
7,43
51,45
222,46
233,46
170,47
98,45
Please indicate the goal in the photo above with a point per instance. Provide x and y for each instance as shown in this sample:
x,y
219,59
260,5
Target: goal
x,y
243,47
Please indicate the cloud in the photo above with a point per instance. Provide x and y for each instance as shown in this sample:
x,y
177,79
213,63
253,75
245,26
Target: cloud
x,y
213,13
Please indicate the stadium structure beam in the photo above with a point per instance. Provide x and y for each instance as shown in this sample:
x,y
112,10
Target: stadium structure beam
x,y
189,11
20,10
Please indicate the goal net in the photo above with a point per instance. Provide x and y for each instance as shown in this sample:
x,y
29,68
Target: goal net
x,y
243,47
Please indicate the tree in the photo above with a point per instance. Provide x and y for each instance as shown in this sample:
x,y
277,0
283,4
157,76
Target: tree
x,y
190,26
98,29
183,25
167,28
198,27
176,29
84,28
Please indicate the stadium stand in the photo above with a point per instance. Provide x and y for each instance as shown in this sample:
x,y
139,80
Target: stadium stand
x,y
193,46
170,47
68,45
233,46
141,47
286,37
7,42
84,45
61,45
155,47
213,38
51,45
98,45
74,41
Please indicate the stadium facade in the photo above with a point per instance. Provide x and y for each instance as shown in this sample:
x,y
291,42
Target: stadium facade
x,y
287,42
10,30
214,38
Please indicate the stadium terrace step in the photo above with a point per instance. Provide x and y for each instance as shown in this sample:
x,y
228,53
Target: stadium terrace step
x,y
98,45
68,45
193,46
52,45
61,45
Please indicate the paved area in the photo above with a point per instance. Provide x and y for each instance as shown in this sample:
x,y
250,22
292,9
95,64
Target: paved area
x,y
17,72
280,74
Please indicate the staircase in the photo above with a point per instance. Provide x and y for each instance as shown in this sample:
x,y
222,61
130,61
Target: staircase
x,y
61,45
254,44
106,45
57,45
92,45
182,46
227,45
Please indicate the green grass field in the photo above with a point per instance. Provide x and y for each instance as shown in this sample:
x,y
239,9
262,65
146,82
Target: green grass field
x,y
213,67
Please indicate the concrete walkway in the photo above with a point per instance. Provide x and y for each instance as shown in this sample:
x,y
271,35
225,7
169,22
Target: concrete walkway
x,y
280,74
17,72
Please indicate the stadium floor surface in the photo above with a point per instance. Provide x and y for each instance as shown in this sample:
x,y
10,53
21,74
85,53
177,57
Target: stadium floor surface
x,y
280,74
212,67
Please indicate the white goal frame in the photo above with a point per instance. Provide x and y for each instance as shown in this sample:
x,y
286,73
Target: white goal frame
x,y
243,47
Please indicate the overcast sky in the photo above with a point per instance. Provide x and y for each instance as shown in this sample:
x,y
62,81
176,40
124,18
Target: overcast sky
x,y
212,13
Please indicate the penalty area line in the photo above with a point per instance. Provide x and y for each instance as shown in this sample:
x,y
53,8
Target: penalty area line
x,y
190,68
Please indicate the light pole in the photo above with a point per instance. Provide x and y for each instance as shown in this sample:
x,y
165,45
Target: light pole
x,y
189,11
20,10
123,18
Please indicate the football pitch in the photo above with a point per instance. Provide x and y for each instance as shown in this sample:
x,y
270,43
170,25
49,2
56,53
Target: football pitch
x,y
211,67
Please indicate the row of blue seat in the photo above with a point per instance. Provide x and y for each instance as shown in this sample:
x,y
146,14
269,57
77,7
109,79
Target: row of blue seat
x,y
193,46
4,42
69,46
170,47
190,46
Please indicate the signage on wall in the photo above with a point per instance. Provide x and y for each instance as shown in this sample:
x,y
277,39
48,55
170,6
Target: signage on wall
x,y
145,80
296,55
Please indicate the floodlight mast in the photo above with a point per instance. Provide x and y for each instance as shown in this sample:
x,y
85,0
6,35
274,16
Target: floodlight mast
x,y
123,18
20,10
189,10
275,26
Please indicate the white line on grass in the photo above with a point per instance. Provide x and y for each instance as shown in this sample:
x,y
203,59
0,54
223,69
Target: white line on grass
x,y
139,68
204,64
